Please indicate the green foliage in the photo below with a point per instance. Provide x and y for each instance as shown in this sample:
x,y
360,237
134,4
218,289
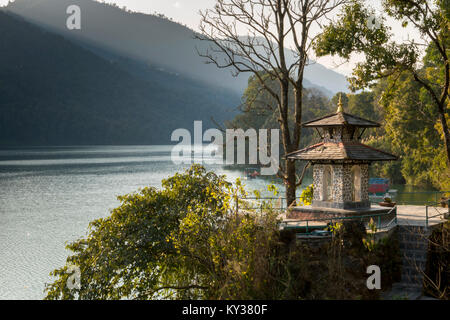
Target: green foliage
x,y
187,241
182,242
412,132
409,90
352,33
438,268
335,228
383,56
369,242
273,189
257,194
307,195
259,109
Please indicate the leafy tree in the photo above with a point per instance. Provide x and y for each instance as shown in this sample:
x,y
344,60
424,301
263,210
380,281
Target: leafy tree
x,y
355,32
360,104
192,240
409,129
257,109
182,242
306,197
344,99
413,133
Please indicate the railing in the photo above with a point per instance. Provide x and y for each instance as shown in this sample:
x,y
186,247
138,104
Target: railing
x,y
283,202
332,220
428,217
397,199
428,205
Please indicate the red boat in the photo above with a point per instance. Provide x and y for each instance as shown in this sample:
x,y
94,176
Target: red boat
x,y
252,173
378,186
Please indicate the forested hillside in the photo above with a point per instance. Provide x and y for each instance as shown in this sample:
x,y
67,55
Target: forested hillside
x,y
410,126
53,91
152,39
259,109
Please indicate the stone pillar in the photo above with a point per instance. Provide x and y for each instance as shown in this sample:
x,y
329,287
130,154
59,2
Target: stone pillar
x,y
364,182
317,182
338,182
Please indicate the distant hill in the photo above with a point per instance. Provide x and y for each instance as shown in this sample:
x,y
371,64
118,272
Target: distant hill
x,y
52,91
152,40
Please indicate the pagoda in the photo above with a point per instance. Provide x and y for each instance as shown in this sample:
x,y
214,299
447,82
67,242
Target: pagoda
x,y
340,165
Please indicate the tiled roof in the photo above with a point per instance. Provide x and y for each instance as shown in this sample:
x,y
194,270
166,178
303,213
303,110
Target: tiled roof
x,y
341,151
341,119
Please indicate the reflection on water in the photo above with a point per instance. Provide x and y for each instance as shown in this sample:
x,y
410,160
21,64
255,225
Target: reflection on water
x,y
48,196
413,195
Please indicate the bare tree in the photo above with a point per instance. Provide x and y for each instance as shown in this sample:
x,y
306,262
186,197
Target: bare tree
x,y
269,27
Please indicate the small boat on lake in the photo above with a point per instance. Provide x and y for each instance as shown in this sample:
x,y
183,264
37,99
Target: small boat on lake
x,y
378,186
252,173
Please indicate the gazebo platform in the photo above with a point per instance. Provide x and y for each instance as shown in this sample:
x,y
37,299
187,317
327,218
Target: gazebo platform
x,y
407,215
311,213
417,215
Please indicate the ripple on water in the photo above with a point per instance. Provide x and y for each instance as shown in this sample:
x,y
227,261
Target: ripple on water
x,y
46,203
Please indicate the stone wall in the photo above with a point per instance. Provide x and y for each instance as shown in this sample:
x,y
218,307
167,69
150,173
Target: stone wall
x,y
342,186
347,183
337,174
365,182
339,134
338,186
335,136
317,181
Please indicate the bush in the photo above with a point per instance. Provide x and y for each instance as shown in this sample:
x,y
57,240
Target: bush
x,y
189,241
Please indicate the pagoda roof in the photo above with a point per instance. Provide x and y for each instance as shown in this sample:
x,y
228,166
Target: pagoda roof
x,y
341,151
341,119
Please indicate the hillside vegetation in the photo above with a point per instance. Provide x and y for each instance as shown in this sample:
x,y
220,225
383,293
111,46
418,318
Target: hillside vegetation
x,y
151,39
53,91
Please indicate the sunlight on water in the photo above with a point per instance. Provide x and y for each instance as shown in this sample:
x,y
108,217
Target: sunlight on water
x,y
48,196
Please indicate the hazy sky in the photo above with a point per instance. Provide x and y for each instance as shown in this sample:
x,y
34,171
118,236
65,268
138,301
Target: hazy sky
x,y
187,12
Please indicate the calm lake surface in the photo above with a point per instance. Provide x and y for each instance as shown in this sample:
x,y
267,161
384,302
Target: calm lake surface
x,y
48,196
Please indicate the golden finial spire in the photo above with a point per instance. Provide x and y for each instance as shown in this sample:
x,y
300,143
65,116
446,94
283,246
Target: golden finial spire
x,y
340,106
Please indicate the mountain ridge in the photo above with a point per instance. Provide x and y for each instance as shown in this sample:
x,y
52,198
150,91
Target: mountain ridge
x,y
54,92
152,40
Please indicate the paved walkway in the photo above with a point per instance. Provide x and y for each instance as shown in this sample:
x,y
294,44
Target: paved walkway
x,y
406,216
416,215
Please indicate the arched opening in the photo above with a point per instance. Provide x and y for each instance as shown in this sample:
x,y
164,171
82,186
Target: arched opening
x,y
356,180
328,183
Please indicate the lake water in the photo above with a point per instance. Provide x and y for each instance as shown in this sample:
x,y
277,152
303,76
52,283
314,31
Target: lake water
x,y
48,196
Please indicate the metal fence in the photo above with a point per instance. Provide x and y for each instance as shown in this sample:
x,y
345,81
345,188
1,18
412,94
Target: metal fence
x,y
280,203
424,198
311,224
429,214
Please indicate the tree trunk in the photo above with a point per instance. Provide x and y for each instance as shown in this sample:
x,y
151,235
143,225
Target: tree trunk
x,y
446,132
290,183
